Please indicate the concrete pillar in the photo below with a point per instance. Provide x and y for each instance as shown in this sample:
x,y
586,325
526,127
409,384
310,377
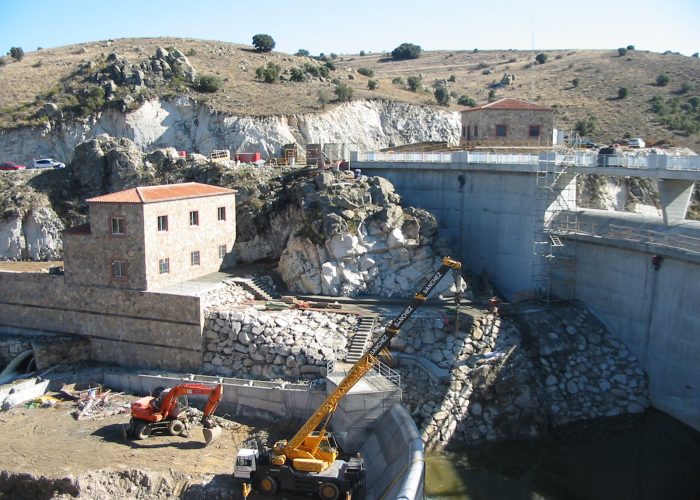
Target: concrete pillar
x,y
674,196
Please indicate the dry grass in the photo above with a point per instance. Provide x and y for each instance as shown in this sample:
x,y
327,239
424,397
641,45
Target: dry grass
x,y
601,74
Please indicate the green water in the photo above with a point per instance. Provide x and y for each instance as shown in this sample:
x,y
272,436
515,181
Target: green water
x,y
645,457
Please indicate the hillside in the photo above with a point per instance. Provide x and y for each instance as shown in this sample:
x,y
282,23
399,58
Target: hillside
x,y
25,86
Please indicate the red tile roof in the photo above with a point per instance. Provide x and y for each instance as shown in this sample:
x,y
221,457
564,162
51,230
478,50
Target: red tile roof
x,y
166,192
508,103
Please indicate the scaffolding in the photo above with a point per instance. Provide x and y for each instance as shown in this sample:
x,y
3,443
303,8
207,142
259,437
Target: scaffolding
x,y
554,263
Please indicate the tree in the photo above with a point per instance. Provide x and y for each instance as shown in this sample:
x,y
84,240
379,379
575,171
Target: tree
x,y
343,92
17,53
442,96
621,51
302,52
406,51
696,54
586,126
541,58
414,82
297,75
362,53
263,43
372,84
365,72
630,47
622,93
452,79
662,80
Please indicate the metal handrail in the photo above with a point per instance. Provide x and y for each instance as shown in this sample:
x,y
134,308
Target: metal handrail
x,y
378,370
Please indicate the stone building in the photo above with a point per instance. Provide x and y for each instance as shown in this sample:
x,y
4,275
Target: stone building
x,y
508,122
147,237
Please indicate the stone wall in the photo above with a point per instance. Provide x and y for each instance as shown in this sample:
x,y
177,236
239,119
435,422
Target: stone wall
x,y
292,344
127,327
516,377
11,346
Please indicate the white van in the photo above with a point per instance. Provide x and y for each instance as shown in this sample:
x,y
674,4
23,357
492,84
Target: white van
x,y
635,142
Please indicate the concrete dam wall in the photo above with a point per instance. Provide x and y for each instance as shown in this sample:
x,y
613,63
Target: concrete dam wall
x,y
491,215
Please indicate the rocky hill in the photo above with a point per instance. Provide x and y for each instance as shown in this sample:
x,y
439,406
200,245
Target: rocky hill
x,y
579,84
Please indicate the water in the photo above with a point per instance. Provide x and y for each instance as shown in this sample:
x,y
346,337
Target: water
x,y
645,457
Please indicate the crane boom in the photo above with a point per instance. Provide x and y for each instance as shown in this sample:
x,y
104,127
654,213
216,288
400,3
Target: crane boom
x,y
365,363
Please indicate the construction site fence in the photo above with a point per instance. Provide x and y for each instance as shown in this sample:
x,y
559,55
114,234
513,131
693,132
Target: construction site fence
x,y
579,159
637,235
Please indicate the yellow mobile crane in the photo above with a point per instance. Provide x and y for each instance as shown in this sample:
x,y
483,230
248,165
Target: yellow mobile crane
x,y
309,461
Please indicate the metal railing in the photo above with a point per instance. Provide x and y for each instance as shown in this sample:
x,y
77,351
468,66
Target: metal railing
x,y
379,369
612,231
576,158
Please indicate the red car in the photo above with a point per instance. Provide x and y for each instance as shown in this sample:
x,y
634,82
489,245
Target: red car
x,y
8,165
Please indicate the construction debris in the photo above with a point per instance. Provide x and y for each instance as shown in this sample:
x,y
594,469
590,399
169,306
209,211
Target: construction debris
x,y
94,406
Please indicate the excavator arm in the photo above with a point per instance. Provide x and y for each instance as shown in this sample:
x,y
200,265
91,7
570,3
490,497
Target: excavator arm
x,y
306,443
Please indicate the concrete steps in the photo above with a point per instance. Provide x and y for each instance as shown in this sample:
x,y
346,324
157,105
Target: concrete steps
x,y
363,334
253,285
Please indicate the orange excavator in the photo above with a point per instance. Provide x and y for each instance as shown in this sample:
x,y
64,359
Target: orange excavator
x,y
163,413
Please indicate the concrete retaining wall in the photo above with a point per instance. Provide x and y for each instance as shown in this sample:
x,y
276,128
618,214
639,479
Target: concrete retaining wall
x,y
126,327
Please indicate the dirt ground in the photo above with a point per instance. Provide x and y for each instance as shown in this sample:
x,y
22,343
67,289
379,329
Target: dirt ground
x,y
50,442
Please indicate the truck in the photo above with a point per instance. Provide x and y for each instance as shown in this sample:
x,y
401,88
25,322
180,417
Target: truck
x,y
311,462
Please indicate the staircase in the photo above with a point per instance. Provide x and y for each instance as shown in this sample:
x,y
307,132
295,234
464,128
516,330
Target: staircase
x,y
363,334
253,285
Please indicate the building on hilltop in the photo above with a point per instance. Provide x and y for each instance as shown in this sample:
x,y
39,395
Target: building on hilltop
x,y
508,122
148,237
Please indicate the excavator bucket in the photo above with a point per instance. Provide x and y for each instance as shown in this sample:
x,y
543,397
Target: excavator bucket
x,y
211,434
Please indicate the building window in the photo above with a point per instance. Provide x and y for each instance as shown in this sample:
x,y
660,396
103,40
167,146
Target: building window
x,y
476,131
164,265
118,269
464,131
221,213
501,131
162,223
194,218
194,258
118,226
534,131
222,251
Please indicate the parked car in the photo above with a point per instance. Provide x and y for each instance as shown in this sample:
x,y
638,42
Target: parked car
x,y
8,165
48,163
635,142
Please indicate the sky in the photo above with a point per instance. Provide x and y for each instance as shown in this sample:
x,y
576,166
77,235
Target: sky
x,y
353,25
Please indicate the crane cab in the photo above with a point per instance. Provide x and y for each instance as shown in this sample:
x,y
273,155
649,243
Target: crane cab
x,y
246,463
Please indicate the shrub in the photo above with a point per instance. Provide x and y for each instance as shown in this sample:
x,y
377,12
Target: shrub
x,y
586,126
492,95
3,61
372,84
366,72
323,71
621,51
686,87
90,100
397,81
697,54
329,65
302,52
362,53
541,58
630,47
452,79
406,51
622,92
575,82
297,75
662,80
414,82
17,53
263,43
334,56
465,100
343,92
323,98
269,73
208,83
191,53
442,96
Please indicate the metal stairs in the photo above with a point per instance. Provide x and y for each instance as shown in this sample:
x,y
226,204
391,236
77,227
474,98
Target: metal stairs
x,y
362,336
